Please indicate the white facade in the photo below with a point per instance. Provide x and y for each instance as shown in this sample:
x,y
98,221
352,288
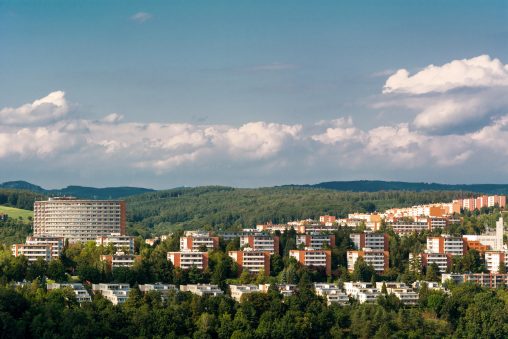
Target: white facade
x,y
56,243
78,220
32,252
377,258
82,294
237,291
375,241
187,259
196,241
162,288
494,260
122,243
263,243
492,239
202,289
116,293
332,293
361,291
405,294
317,241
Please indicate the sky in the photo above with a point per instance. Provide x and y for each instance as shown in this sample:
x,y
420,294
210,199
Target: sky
x,y
163,94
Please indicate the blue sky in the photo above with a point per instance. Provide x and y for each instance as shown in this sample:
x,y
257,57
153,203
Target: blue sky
x,y
239,92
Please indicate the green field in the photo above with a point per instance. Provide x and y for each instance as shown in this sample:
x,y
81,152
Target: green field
x,y
15,213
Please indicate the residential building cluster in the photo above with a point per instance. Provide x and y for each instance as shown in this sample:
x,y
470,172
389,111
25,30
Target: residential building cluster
x,y
333,294
441,250
372,247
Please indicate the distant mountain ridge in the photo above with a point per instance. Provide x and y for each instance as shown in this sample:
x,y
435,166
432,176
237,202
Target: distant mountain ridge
x,y
379,185
347,186
82,192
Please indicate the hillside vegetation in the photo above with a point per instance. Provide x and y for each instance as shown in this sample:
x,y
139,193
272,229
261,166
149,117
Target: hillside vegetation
x,y
233,208
16,213
380,185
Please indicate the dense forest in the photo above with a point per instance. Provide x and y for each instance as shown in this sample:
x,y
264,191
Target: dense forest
x,y
19,198
232,208
468,312
380,185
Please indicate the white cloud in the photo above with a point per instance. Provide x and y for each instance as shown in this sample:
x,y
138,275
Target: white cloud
x,y
61,140
341,130
141,17
481,71
458,97
52,106
113,118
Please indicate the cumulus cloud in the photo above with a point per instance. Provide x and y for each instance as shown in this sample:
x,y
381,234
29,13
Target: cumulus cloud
x,y
457,97
141,17
52,106
57,137
159,146
339,130
481,71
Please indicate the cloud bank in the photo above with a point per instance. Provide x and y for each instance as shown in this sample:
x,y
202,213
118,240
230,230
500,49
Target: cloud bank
x,y
443,99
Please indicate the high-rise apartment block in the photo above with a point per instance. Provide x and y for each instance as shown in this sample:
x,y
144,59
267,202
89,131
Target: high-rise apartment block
x,y
79,220
480,202
374,241
252,261
446,244
314,258
379,259
187,259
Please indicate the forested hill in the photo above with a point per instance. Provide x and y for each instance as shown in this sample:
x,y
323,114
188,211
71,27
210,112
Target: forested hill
x,y
231,208
78,191
378,185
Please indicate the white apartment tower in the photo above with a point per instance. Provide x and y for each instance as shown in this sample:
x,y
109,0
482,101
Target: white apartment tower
x,y
79,220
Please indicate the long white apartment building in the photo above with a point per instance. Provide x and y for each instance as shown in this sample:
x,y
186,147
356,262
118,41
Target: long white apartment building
x,y
263,243
79,220
202,289
405,293
79,290
237,291
407,227
286,290
32,252
362,291
124,243
332,293
116,293
163,289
